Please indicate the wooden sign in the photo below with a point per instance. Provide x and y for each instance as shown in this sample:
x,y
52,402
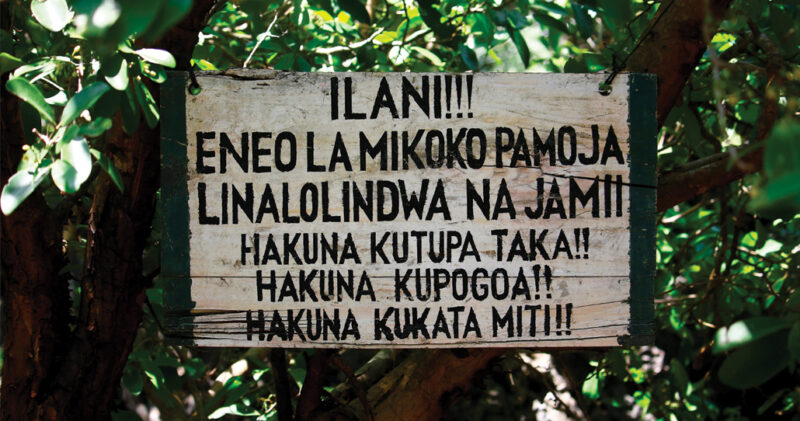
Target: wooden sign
x,y
408,209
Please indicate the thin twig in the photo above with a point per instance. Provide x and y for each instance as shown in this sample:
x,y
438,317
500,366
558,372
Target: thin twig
x,y
408,23
261,37
351,378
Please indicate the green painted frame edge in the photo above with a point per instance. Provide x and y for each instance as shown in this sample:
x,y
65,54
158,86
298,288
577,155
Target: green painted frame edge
x,y
642,91
642,99
175,195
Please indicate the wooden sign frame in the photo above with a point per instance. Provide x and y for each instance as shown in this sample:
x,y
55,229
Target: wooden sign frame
x,y
183,318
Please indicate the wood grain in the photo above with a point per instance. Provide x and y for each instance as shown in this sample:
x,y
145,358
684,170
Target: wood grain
x,y
585,255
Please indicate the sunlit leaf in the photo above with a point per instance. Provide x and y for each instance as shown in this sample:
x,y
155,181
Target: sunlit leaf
x,y
115,71
65,176
148,104
591,386
82,101
19,187
52,14
9,62
154,55
59,98
74,167
32,95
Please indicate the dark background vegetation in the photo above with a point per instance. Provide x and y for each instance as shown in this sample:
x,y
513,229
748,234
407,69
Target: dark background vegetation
x,y
81,296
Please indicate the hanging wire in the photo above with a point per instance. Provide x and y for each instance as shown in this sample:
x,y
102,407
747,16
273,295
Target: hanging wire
x,y
616,68
194,87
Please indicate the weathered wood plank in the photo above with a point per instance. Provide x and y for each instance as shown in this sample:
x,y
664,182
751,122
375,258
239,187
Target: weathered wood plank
x,y
499,200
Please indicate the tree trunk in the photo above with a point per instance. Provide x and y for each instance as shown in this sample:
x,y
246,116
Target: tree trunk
x,y
51,371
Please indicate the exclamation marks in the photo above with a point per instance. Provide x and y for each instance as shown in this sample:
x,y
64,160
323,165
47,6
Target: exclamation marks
x,y
548,280
458,96
581,243
448,83
463,89
567,319
469,95
557,318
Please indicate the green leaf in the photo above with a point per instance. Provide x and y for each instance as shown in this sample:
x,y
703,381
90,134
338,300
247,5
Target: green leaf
x,y
76,153
108,104
115,71
82,101
95,128
433,58
52,14
132,380
9,62
469,57
154,72
32,95
233,409
109,168
576,64
36,70
550,22
746,331
195,367
65,176
20,186
522,46
59,99
356,9
781,155
591,386
154,55
65,134
583,20
148,104
386,37
679,376
756,362
433,19
131,116
171,12
136,16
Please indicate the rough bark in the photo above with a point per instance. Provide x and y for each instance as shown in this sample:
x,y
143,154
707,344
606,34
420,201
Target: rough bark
x,y
703,175
423,386
50,372
35,298
674,42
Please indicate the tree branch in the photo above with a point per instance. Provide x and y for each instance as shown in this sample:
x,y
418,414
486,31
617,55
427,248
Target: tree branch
x,y
283,392
702,175
673,47
311,392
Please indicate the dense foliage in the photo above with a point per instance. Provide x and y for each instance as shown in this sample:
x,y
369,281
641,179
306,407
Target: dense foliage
x,y
727,339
